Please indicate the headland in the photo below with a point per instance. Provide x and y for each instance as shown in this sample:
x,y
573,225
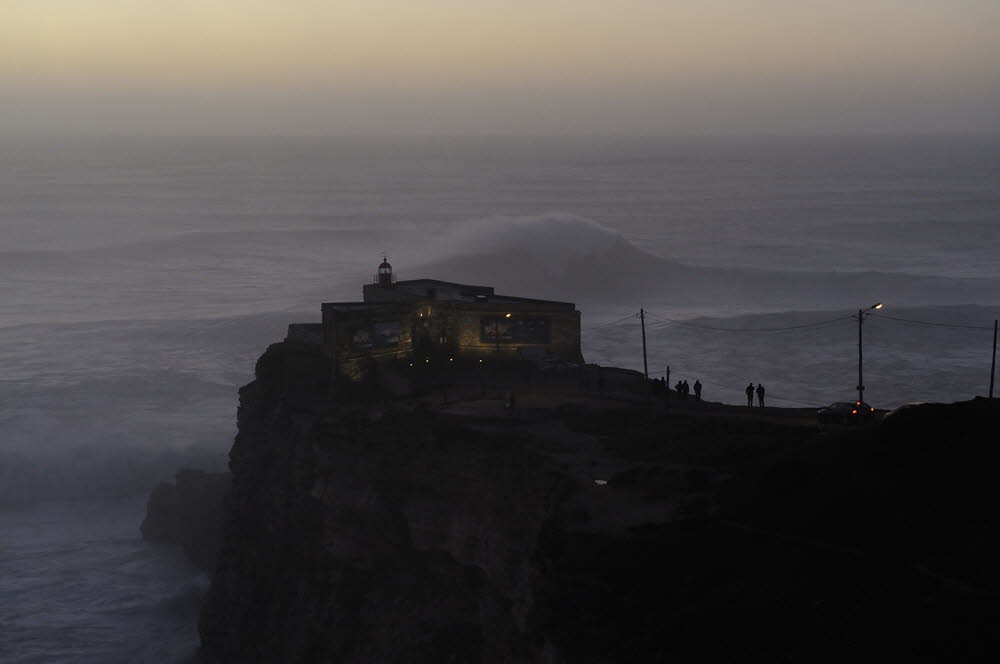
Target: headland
x,y
537,510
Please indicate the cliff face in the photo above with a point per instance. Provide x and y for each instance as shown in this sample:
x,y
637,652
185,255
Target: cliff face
x,y
373,536
188,513
359,532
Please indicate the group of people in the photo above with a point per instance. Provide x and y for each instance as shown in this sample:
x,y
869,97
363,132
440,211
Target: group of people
x,y
682,388
760,394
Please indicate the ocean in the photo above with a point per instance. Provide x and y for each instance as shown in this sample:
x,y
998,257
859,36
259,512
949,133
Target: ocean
x,y
141,279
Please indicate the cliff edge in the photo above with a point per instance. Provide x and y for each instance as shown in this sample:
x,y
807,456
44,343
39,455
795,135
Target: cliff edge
x,y
409,531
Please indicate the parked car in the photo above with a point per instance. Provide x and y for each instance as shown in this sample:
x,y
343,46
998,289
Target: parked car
x,y
902,410
846,412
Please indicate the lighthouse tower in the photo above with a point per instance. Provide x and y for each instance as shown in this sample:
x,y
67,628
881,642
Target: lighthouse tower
x,y
384,276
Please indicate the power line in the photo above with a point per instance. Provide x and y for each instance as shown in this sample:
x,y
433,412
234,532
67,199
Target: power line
x,y
840,320
611,324
816,324
831,321
924,322
821,323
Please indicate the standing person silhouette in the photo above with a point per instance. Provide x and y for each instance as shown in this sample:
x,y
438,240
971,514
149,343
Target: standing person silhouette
x,y
697,389
760,394
749,392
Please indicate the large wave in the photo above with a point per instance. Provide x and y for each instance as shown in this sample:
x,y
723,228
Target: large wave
x,y
565,256
131,370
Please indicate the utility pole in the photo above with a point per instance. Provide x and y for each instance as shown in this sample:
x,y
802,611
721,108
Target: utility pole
x,y
861,382
645,366
993,366
861,319
666,396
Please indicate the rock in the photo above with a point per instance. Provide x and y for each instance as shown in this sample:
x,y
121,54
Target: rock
x,y
383,532
188,513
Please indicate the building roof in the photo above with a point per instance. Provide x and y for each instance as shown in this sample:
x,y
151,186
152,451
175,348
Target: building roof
x,y
438,282
361,305
417,290
449,291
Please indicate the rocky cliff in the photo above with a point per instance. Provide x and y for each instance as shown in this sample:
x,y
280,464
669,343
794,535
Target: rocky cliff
x,y
366,531
188,512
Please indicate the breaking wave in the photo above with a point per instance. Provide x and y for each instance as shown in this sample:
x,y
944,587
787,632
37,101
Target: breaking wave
x,y
565,256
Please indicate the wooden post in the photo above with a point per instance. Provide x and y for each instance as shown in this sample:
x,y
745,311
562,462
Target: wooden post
x,y
667,397
645,366
993,365
861,382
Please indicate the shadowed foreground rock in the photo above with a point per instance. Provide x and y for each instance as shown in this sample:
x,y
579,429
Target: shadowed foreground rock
x,y
188,513
362,532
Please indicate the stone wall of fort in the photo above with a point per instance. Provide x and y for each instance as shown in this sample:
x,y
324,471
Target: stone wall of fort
x,y
354,337
305,333
561,341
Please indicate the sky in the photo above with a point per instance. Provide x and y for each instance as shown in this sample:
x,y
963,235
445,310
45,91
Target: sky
x,y
497,67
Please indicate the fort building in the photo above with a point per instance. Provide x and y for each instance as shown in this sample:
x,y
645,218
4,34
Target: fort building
x,y
432,321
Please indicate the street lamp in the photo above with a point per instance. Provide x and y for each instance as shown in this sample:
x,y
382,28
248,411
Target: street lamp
x,y
861,318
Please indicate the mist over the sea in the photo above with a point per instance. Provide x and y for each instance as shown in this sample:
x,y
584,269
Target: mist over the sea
x,y
143,277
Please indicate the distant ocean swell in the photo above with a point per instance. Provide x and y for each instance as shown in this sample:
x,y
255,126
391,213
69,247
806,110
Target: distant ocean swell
x,y
142,281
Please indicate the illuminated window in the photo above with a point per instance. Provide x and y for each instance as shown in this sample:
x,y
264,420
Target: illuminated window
x,y
513,330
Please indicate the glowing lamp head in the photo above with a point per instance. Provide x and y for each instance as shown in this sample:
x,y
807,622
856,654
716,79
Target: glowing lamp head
x,y
877,306
854,412
506,315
